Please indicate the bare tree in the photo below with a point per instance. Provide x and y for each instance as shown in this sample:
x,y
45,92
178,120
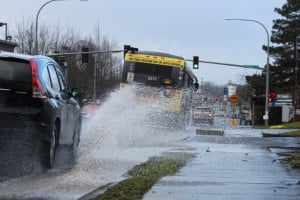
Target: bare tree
x,y
25,37
57,40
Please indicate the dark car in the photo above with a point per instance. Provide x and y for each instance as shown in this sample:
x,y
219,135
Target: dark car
x,y
35,99
202,114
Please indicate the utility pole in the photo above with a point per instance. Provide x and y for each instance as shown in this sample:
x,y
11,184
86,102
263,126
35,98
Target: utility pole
x,y
266,116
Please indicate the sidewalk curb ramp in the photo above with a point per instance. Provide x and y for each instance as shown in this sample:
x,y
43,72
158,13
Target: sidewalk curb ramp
x,y
209,132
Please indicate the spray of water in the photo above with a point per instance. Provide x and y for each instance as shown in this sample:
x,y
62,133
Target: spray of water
x,y
115,139
120,123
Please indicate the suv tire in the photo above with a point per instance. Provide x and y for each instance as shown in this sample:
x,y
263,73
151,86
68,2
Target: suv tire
x,y
50,147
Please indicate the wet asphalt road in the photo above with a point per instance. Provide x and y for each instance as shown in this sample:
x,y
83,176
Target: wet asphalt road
x,y
238,165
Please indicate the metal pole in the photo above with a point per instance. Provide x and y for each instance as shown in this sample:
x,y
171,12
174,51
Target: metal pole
x,y
36,22
83,52
5,31
228,64
266,116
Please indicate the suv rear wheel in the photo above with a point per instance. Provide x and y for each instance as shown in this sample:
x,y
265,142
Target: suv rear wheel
x,y
51,146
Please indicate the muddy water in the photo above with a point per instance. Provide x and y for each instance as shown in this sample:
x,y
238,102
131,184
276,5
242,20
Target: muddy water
x,y
112,142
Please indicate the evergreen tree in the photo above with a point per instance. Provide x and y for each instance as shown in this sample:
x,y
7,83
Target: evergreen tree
x,y
283,78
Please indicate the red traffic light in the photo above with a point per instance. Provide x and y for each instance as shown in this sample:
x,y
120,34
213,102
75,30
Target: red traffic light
x,y
270,99
272,96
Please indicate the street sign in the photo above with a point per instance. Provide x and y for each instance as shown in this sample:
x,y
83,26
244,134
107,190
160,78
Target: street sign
x,y
251,66
231,89
233,100
233,122
233,97
225,91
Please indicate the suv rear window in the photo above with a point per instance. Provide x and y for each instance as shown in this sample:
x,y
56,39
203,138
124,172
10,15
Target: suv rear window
x,y
15,74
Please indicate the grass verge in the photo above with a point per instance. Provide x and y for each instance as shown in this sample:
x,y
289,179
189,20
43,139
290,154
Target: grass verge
x,y
291,134
291,125
142,177
293,159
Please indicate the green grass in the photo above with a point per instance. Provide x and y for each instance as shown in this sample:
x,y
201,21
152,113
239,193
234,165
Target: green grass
x,y
293,125
294,160
291,134
142,177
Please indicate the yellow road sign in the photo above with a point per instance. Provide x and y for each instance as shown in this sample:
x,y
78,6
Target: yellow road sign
x,y
233,100
233,97
233,122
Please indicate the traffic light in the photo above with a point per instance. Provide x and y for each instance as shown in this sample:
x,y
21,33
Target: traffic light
x,y
272,96
85,56
196,62
270,99
128,48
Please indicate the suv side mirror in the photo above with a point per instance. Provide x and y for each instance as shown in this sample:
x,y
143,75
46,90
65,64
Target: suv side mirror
x,y
76,92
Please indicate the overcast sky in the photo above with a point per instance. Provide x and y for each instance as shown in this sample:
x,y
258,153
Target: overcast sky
x,y
181,27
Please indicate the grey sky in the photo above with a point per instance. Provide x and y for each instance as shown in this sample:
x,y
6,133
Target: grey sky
x,y
181,27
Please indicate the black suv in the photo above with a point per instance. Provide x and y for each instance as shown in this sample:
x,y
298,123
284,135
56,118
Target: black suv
x,y
35,99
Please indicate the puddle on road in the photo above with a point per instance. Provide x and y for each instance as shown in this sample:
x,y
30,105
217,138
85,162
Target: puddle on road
x,y
112,142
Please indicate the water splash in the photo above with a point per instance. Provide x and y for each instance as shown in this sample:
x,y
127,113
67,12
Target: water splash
x,y
112,142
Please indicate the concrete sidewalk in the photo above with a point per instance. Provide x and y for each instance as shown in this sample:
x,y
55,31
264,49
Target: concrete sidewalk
x,y
230,170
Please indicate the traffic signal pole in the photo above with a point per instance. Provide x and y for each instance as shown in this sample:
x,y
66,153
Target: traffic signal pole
x,y
84,52
229,64
189,60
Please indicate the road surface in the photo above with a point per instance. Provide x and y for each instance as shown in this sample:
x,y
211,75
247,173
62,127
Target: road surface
x,y
115,140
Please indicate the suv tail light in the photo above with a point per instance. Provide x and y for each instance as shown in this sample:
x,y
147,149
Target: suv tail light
x,y
37,90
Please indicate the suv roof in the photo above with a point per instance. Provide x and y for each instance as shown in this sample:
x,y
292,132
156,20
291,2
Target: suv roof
x,y
21,56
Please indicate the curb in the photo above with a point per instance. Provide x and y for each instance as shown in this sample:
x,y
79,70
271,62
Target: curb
x,y
209,132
